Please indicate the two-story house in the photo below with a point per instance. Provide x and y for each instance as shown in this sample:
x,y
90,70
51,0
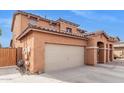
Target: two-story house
x,y
55,45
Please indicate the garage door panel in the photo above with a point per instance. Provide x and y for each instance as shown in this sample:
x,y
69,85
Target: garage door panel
x,y
58,57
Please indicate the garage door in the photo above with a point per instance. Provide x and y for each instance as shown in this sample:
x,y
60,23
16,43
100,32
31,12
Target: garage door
x,y
58,57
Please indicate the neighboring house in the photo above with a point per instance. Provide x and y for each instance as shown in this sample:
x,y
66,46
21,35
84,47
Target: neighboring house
x,y
54,45
119,50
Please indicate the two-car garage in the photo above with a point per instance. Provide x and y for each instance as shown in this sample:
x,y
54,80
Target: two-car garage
x,y
59,57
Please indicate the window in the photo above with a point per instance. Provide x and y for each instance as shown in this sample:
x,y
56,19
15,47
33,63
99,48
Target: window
x,y
68,30
32,22
52,27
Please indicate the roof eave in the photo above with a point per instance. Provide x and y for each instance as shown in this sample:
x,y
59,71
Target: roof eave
x,y
33,29
69,22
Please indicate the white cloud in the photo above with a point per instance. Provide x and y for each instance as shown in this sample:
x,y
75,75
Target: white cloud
x,y
92,15
84,13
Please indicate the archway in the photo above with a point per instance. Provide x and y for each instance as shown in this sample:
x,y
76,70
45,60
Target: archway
x,y
100,52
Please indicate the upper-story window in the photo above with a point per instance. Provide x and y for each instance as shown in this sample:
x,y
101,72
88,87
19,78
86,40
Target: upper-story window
x,y
69,30
33,21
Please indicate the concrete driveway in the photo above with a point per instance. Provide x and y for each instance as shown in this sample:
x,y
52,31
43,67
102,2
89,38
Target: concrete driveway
x,y
12,75
9,73
101,73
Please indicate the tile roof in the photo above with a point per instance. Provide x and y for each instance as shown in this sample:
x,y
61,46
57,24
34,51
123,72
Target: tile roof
x,y
85,35
41,18
43,29
110,38
66,21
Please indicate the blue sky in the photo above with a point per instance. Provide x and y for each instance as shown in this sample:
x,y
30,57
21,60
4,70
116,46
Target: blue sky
x,y
112,22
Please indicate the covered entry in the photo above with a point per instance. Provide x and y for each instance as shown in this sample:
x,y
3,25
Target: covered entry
x,y
100,52
58,57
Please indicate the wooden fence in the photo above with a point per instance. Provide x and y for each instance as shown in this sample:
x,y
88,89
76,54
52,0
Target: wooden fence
x,y
8,56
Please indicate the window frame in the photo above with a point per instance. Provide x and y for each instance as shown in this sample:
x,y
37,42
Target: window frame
x,y
68,30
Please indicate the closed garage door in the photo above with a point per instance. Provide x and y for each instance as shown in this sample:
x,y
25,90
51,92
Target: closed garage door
x,y
58,57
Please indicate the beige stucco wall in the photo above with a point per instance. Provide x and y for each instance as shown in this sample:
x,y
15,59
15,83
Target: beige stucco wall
x,y
39,46
28,42
17,31
92,50
24,20
37,40
21,22
64,25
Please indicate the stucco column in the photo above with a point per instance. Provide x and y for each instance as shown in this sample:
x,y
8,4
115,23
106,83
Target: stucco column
x,y
112,53
107,55
107,60
104,53
91,55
